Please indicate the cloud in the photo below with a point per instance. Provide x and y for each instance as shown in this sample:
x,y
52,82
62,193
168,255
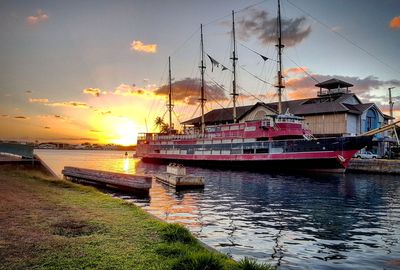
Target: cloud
x,y
40,16
28,91
139,46
294,71
46,127
259,24
70,104
52,117
106,112
5,115
395,23
21,117
188,91
38,100
92,91
132,90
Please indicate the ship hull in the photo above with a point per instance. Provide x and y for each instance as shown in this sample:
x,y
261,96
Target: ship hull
x,y
306,165
329,154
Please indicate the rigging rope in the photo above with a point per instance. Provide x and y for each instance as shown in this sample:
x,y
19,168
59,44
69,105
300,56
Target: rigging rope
x,y
239,10
305,71
265,58
345,38
255,76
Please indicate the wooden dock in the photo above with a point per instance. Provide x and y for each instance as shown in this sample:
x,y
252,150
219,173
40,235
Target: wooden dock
x,y
176,177
121,181
180,181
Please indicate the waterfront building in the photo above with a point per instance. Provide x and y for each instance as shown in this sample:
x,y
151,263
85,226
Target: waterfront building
x,y
335,112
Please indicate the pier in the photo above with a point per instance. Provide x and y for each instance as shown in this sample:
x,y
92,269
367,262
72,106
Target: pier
x,y
129,182
376,166
176,177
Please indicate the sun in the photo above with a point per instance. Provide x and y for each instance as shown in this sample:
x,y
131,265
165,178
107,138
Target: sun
x,y
125,132
117,130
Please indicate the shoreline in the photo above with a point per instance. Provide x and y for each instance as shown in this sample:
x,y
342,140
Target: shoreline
x,y
51,223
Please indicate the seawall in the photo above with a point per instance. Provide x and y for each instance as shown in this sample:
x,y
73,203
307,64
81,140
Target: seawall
x,y
379,166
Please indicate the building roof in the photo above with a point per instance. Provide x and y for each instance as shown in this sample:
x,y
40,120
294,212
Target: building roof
x,y
225,115
333,84
332,102
326,104
300,107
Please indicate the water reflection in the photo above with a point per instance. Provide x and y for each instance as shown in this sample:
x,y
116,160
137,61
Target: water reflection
x,y
292,221
126,165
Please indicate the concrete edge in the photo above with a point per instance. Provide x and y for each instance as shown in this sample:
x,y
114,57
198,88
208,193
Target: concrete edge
x,y
46,167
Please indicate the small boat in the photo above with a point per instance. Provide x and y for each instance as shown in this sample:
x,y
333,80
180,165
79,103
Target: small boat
x,y
176,177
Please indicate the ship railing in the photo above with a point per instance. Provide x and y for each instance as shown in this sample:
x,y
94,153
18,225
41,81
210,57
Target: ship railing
x,y
198,136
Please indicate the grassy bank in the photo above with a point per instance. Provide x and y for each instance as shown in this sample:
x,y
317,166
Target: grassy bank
x,y
47,223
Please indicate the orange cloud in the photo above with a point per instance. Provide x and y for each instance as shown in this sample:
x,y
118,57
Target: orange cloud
x,y
52,117
187,91
92,91
299,88
40,16
21,117
71,104
38,100
295,71
139,46
395,23
132,90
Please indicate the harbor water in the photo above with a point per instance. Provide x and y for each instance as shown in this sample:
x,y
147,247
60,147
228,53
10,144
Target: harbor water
x,y
320,221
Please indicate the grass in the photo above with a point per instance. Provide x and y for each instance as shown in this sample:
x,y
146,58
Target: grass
x,y
47,223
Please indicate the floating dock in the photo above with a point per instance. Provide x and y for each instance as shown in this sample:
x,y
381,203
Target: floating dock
x,y
176,177
128,182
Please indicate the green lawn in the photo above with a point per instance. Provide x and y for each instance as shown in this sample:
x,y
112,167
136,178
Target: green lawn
x,y
46,223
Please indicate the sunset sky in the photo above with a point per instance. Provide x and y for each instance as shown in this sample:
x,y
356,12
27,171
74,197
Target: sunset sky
x,y
94,71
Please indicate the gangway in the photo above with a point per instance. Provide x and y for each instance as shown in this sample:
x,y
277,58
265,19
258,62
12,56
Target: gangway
x,y
382,129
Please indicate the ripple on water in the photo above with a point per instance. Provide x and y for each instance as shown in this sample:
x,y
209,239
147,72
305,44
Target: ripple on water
x,y
292,221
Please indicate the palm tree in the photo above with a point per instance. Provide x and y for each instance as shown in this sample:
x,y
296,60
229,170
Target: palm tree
x,y
159,122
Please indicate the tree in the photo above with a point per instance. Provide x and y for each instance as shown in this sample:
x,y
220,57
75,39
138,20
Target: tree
x,y
161,125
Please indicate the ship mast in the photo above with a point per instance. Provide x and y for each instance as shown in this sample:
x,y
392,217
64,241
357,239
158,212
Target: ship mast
x,y
280,46
234,59
202,67
170,105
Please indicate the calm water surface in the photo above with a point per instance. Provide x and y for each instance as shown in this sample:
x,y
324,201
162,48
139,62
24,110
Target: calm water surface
x,y
293,221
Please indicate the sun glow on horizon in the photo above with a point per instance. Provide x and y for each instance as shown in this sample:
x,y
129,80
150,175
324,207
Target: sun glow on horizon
x,y
125,132
117,130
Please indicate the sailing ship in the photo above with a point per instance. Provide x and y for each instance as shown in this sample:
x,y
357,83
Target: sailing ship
x,y
279,141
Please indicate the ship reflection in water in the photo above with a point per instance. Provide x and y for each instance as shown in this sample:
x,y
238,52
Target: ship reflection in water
x,y
292,221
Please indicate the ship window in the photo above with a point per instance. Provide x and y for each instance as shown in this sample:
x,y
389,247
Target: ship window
x,y
248,151
157,151
236,151
262,150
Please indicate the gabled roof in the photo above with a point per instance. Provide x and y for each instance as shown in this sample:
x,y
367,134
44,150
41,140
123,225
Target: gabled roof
x,y
359,107
315,105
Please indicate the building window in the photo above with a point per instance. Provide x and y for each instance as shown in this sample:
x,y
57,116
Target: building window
x,y
372,120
